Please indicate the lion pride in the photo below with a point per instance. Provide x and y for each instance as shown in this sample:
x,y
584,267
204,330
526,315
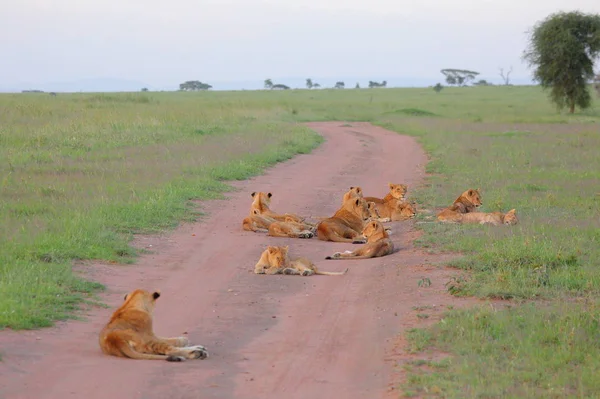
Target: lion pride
x,y
275,260
129,333
346,224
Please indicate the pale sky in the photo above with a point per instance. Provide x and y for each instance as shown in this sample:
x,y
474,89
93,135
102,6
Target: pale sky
x,y
164,42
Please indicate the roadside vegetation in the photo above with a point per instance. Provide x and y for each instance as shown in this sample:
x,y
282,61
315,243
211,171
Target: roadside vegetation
x,y
81,173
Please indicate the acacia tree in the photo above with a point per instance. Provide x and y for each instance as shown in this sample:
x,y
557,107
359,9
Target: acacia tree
x,y
459,77
339,85
268,84
562,48
309,83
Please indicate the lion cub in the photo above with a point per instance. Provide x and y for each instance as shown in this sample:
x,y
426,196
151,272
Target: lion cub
x,y
129,333
378,244
288,228
275,260
467,202
493,218
393,206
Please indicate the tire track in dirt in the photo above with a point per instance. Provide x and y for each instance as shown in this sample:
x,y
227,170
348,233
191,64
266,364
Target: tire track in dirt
x,y
268,336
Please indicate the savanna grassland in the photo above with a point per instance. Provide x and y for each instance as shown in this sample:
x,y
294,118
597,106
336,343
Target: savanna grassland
x,y
80,174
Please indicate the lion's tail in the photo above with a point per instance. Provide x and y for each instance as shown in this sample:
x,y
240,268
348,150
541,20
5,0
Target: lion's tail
x,y
332,273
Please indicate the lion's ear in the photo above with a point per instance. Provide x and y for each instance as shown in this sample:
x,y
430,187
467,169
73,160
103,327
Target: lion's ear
x,y
358,189
351,187
253,194
156,295
126,295
269,195
271,249
287,247
391,186
471,192
357,201
512,211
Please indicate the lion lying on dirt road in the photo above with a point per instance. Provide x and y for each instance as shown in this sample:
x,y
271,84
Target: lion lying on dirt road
x,y
262,201
493,218
397,191
467,202
378,244
393,207
129,333
275,260
288,228
346,224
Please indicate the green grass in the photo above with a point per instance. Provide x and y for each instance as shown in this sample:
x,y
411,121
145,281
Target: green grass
x,y
81,173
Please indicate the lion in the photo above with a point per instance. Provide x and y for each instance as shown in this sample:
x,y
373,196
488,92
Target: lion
x,y
374,213
397,191
378,244
346,224
493,218
261,203
467,202
354,192
129,333
288,228
275,260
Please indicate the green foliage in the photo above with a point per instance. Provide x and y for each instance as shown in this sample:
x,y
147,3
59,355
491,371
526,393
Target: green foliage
x,y
438,87
458,77
562,48
193,85
532,351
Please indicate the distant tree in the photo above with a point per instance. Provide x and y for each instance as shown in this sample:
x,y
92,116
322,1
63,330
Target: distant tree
x,y
53,94
279,87
459,77
438,87
192,85
357,86
146,89
316,85
339,85
309,84
562,48
268,84
373,84
506,78
482,82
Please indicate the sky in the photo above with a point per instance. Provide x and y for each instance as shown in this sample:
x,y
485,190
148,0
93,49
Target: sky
x,y
162,43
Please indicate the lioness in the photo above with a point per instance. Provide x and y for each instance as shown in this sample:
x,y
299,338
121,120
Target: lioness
x,y
467,202
129,333
261,203
288,228
397,191
354,192
493,218
275,260
346,224
378,244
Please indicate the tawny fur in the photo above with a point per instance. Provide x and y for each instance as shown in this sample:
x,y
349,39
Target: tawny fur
x,y
288,228
354,192
378,244
275,260
129,333
262,201
493,218
467,202
397,191
346,224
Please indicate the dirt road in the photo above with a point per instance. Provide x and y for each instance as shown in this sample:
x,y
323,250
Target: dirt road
x,y
319,337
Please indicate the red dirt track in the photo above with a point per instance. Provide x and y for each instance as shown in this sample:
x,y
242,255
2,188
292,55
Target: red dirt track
x,y
292,337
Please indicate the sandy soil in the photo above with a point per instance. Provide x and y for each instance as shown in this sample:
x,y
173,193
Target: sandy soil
x,y
268,336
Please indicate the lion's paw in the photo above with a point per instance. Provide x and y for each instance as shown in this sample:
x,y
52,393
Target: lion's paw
x,y
306,234
358,242
174,358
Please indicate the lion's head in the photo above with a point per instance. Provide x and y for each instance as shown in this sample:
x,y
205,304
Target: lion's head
x,y
141,299
374,229
398,191
277,257
261,200
406,209
373,212
510,217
